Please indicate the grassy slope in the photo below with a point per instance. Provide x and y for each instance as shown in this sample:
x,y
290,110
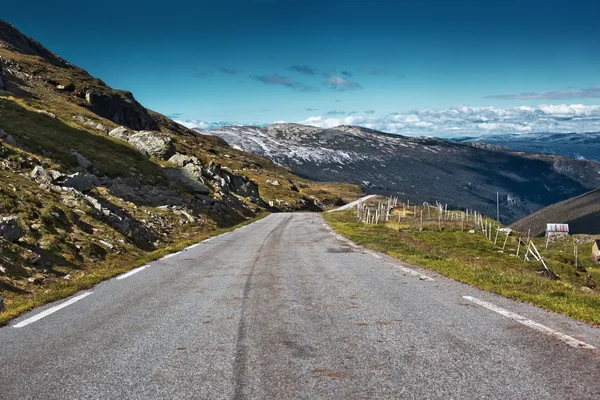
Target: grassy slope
x,y
472,259
582,213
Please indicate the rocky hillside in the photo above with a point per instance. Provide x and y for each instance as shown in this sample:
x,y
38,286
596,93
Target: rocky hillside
x,y
422,169
582,213
91,181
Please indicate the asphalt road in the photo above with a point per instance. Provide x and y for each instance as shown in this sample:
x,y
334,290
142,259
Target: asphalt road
x,y
283,309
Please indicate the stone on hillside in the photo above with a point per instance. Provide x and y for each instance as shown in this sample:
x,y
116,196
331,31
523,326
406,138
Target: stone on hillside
x,y
153,143
40,175
120,133
102,127
69,87
193,171
81,160
49,114
55,174
2,134
10,229
10,140
183,160
81,182
188,176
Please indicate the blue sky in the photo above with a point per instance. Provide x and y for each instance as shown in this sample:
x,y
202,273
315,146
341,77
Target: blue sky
x,y
261,61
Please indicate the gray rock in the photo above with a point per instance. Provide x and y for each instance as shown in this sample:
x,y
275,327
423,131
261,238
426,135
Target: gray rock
x,y
82,182
102,127
40,175
2,134
95,204
47,113
193,171
81,160
10,229
183,160
190,176
120,133
10,140
153,143
55,174
1,304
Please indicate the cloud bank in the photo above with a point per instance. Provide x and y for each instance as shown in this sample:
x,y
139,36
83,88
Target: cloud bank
x,y
587,93
455,121
461,121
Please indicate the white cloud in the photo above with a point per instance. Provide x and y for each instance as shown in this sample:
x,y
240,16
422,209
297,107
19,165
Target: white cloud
x,y
464,120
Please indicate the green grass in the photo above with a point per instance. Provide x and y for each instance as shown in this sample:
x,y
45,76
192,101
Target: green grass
x,y
472,259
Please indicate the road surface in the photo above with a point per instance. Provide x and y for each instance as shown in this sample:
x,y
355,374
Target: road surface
x,y
284,309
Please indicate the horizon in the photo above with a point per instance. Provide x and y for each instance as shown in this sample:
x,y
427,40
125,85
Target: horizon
x,y
426,68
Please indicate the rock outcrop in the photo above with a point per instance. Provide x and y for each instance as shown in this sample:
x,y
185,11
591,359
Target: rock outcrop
x,y
153,143
120,133
10,229
121,108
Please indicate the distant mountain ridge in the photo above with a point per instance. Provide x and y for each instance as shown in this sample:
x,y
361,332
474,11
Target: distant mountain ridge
x,y
421,169
585,145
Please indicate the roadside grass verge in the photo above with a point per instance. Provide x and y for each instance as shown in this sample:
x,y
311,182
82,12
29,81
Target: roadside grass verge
x,y
473,259
17,303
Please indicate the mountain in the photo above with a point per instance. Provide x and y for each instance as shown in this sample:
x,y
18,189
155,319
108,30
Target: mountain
x,y
422,169
582,213
92,182
584,145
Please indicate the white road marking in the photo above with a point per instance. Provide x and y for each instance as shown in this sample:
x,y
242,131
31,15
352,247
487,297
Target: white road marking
x,y
133,271
51,310
413,273
169,256
207,240
532,324
406,270
374,254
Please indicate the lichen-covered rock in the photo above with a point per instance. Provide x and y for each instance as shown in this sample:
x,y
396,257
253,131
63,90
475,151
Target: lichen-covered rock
x,y
153,143
120,133
40,175
183,160
189,176
10,229
82,182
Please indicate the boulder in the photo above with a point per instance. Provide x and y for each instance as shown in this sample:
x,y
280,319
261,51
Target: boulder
x,y
82,182
55,174
47,113
102,127
81,160
153,143
183,160
188,176
40,175
10,140
10,229
120,133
